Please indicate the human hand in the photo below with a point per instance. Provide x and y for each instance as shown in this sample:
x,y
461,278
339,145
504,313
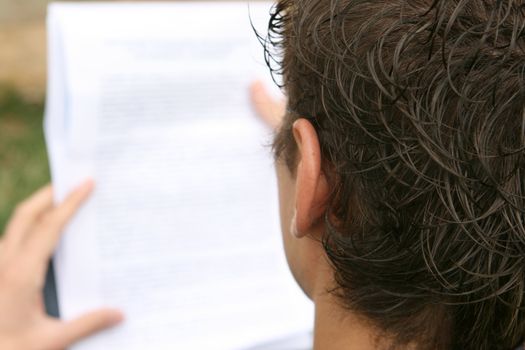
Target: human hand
x,y
268,108
25,249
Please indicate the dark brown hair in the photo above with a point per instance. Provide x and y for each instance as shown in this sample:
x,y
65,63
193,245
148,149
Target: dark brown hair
x,y
419,108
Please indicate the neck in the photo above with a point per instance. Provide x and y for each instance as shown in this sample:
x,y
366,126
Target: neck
x,y
336,328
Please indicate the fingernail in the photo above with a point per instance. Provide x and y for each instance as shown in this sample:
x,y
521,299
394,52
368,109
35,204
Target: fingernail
x,y
258,87
116,317
87,185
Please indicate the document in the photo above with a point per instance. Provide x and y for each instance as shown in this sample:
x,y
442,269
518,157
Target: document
x,y
182,231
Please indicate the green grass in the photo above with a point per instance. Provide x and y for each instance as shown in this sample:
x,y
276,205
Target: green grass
x,y
23,159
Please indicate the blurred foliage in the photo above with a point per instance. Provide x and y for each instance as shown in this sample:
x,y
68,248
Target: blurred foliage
x,y
23,159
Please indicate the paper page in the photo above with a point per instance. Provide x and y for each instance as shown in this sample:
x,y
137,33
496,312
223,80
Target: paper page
x,y
151,100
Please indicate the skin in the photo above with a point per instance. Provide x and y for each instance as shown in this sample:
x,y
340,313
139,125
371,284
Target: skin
x,y
25,248
35,228
302,198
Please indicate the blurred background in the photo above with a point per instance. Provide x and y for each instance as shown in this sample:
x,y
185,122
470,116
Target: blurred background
x,y
23,162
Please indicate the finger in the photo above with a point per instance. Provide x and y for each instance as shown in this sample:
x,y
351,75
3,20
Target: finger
x,y
265,106
26,214
45,239
268,108
87,325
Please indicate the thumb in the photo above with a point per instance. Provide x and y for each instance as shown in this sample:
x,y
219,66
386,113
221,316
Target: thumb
x,y
269,109
88,324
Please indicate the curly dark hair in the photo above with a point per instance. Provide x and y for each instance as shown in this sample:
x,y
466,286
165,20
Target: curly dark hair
x,y
419,109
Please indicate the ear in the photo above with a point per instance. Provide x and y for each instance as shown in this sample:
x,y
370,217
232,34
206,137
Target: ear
x,y
311,184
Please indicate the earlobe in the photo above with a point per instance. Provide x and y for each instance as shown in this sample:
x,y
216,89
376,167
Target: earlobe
x,y
311,184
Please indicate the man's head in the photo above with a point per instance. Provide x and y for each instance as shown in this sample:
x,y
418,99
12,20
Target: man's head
x,y
403,153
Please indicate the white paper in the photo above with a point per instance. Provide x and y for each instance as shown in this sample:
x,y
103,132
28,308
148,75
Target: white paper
x,y
151,101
